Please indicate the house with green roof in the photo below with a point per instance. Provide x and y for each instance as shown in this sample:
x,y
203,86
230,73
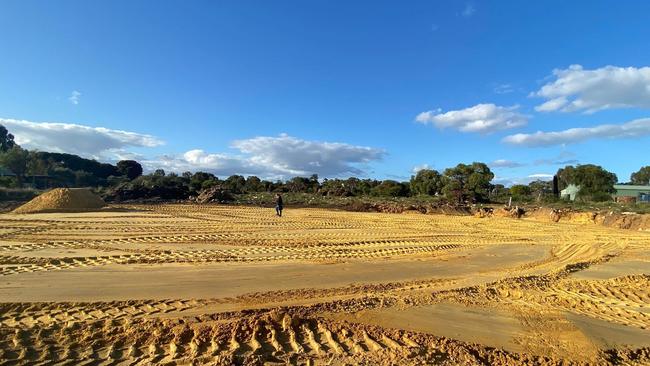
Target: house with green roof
x,y
627,192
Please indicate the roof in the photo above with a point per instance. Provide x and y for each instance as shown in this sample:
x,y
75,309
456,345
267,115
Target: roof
x,y
631,187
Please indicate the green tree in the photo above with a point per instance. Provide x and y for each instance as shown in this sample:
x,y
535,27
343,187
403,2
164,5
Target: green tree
x,y
468,182
298,184
253,184
159,172
642,177
6,139
36,165
314,184
73,162
129,168
566,176
427,182
390,188
499,193
64,176
336,187
363,187
84,179
347,187
520,191
209,183
15,159
540,188
596,183
197,179
235,183
115,180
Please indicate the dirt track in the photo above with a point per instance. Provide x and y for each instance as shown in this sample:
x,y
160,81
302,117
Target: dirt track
x,y
184,284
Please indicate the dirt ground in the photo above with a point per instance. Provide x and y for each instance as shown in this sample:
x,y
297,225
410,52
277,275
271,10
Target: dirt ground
x,y
191,284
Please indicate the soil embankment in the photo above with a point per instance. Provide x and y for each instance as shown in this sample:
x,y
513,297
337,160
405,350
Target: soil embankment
x,y
630,221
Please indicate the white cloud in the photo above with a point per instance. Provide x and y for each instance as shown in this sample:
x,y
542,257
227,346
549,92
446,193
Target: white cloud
x,y
510,181
503,180
74,97
276,157
195,160
296,156
504,88
503,163
636,128
95,142
541,176
417,168
562,158
577,89
483,118
469,10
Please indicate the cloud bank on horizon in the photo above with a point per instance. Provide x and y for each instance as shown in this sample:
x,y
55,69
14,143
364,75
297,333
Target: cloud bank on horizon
x,y
270,157
632,129
278,157
93,142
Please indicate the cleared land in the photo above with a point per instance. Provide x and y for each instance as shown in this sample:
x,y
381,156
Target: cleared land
x,y
186,284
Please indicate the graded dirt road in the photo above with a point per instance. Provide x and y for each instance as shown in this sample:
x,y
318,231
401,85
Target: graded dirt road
x,y
189,284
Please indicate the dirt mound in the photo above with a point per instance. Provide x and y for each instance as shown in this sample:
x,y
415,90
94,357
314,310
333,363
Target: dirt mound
x,y
513,212
63,199
214,194
627,221
481,212
555,215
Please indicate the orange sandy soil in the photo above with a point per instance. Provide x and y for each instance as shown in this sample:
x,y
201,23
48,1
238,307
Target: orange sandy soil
x,y
190,284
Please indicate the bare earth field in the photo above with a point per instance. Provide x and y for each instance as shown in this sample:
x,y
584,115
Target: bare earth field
x,y
189,284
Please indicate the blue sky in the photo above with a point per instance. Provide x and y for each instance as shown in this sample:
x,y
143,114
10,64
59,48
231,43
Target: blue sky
x,y
339,88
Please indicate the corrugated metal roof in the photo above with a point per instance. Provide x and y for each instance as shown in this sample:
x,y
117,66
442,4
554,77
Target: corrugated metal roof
x,y
631,187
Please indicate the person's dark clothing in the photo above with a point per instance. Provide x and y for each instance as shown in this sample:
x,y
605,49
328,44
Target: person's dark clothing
x,y
278,206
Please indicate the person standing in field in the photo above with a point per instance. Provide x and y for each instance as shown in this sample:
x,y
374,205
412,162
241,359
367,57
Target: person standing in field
x,y
278,204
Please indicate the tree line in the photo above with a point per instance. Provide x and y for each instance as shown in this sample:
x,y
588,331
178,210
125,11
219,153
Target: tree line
x,y
464,183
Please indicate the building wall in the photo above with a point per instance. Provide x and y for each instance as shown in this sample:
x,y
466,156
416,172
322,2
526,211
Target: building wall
x,y
641,193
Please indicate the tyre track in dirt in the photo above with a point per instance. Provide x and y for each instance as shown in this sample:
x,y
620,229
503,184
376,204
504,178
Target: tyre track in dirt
x,y
278,327
30,314
275,336
21,264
